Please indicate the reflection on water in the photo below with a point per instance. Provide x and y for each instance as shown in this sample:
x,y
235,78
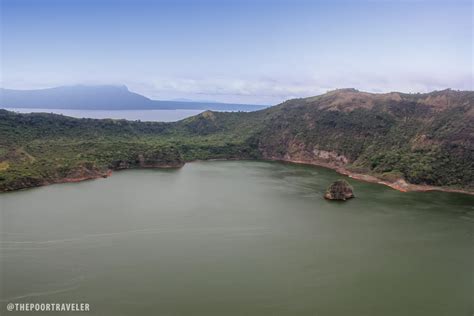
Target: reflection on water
x,y
237,238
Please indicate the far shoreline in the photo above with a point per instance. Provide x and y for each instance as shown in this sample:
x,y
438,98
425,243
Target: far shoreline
x,y
399,185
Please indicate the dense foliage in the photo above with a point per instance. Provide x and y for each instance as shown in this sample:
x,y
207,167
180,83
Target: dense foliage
x,y
423,138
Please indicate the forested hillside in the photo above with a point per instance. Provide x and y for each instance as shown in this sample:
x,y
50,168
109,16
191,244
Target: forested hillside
x,y
421,138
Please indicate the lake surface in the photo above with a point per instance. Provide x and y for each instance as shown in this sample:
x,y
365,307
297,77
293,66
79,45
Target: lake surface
x,y
237,238
142,115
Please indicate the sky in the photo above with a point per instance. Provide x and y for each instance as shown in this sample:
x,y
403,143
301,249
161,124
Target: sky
x,y
247,51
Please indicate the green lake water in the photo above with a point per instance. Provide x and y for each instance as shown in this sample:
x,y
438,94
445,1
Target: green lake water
x,y
237,238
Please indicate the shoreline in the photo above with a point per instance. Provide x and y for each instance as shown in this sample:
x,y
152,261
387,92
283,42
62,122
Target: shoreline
x,y
97,174
399,185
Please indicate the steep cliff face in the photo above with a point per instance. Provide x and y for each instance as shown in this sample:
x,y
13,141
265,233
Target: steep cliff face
x,y
300,152
423,139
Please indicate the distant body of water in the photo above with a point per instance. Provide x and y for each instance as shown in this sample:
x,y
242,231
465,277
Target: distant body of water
x,y
232,238
142,115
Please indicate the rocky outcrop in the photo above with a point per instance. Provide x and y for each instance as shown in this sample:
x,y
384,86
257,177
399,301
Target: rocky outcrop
x,y
89,171
339,190
79,173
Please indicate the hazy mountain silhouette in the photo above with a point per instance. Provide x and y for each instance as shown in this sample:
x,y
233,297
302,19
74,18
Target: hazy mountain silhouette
x,y
103,98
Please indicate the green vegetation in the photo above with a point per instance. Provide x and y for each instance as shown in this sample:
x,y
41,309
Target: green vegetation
x,y
423,138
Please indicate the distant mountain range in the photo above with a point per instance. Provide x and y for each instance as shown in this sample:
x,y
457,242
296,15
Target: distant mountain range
x,y
104,98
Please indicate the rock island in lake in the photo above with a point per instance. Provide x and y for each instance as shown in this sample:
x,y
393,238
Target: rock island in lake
x,y
339,190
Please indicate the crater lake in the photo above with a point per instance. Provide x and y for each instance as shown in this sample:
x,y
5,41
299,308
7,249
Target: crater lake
x,y
237,238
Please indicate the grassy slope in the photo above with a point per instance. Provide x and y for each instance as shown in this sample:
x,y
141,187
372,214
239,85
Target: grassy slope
x,y
424,138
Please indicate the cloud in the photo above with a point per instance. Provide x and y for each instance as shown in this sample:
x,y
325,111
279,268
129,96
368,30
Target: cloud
x,y
266,90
